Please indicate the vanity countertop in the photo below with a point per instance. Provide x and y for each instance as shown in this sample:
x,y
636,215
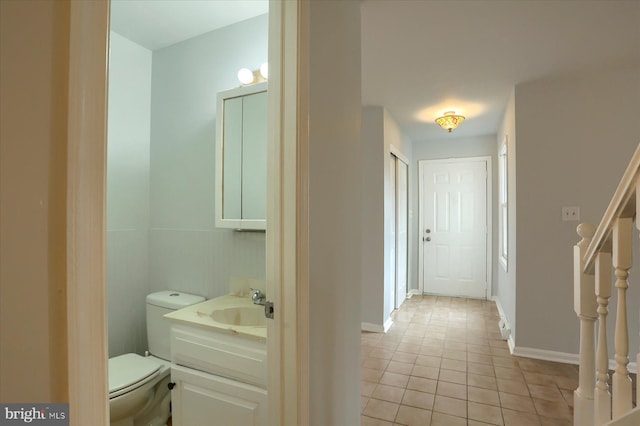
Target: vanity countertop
x,y
202,314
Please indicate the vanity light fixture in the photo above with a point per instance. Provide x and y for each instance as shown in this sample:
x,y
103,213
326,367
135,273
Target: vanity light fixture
x,y
246,76
449,120
264,70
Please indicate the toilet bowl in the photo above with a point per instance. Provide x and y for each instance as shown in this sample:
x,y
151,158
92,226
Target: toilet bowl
x,y
138,385
138,390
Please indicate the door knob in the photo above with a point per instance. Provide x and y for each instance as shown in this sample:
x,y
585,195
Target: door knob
x,y
427,239
427,230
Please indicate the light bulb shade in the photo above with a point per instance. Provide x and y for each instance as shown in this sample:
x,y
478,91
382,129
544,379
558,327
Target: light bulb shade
x,y
264,70
245,75
449,120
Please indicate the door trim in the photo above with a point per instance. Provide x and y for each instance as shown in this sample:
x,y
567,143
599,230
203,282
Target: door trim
x,y
86,171
395,151
489,238
286,241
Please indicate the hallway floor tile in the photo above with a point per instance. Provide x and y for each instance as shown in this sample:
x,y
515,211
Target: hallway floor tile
x,y
443,362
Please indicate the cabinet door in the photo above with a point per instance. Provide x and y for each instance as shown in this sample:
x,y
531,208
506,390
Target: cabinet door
x,y
254,156
232,159
241,158
204,399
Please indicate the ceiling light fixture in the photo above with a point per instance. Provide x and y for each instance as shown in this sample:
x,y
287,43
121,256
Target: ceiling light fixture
x,y
449,120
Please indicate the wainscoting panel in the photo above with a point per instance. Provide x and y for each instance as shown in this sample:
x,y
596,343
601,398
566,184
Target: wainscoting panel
x,y
127,287
203,262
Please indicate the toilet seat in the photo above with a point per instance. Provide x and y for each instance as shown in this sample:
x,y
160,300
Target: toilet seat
x,y
130,371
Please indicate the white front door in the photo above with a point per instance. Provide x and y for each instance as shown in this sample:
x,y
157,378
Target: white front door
x,y
454,227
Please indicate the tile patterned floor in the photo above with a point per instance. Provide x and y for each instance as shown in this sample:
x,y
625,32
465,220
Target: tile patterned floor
x,y
443,363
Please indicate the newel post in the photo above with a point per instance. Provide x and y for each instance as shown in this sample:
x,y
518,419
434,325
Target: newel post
x,y
585,306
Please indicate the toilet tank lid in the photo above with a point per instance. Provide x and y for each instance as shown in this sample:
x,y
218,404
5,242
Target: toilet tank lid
x,y
173,299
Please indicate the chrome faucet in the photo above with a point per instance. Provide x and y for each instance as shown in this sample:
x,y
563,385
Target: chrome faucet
x,y
258,297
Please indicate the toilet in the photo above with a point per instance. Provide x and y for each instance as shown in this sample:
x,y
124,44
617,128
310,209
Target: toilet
x,y
138,385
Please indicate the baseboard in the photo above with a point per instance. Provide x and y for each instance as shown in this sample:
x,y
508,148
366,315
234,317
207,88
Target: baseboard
x,y
376,328
373,328
414,292
499,305
503,317
387,324
564,357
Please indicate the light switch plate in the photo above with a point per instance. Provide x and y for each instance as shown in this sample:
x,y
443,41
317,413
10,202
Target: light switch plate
x,y
571,213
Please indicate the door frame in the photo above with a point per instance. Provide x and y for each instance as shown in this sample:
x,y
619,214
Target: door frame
x,y
489,234
287,213
86,174
86,161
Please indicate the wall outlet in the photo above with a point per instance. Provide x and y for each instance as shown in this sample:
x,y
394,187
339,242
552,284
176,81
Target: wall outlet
x,y
570,213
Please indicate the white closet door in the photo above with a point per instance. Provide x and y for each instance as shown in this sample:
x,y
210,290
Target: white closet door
x,y
391,289
402,225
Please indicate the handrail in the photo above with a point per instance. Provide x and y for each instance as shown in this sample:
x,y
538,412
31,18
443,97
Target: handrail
x,y
622,205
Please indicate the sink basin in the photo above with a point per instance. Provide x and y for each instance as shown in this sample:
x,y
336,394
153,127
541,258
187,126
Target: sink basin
x,y
251,316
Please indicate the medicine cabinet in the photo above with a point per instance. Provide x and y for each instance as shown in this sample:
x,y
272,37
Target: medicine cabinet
x,y
241,158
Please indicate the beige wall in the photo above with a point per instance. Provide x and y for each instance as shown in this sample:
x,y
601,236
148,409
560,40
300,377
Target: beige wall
x,y
33,81
393,136
379,132
373,181
334,212
575,137
505,280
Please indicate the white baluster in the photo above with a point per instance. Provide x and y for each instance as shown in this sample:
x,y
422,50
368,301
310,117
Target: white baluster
x,y
584,304
622,232
602,397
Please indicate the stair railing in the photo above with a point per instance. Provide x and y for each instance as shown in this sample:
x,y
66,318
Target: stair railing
x,y
599,250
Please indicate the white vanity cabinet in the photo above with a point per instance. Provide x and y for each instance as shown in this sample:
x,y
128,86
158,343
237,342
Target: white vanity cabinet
x,y
200,398
241,158
220,378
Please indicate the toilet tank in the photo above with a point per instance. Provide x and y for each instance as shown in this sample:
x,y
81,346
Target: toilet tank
x,y
158,328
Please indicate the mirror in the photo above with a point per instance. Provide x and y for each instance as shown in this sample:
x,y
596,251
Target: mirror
x,y
241,158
